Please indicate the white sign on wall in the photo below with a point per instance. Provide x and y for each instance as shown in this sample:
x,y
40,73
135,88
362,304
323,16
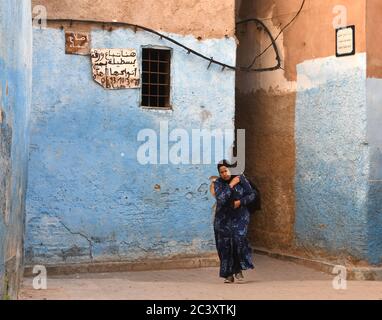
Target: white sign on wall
x,y
345,41
115,68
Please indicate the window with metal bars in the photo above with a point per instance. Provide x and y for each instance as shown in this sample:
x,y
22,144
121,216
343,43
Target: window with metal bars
x,y
156,78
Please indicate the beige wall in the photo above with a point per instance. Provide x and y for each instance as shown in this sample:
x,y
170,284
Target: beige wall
x,y
265,104
374,30
204,18
311,35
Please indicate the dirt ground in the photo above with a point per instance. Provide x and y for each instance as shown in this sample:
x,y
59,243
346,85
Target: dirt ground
x,y
271,279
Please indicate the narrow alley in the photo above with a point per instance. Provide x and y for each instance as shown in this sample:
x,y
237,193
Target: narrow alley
x,y
150,148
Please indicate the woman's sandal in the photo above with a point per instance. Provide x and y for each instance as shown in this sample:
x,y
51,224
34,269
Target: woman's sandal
x,y
229,279
239,277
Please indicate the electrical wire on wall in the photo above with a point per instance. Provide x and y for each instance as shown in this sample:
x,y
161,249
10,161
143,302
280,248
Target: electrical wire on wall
x,y
274,39
211,60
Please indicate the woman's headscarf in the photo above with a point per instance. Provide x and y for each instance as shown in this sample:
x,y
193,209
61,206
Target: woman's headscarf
x,y
225,163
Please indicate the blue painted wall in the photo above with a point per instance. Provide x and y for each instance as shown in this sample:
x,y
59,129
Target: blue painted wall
x,y
374,136
15,98
88,197
333,159
339,158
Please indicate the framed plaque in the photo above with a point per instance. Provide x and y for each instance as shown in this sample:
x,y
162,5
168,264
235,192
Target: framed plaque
x,y
345,41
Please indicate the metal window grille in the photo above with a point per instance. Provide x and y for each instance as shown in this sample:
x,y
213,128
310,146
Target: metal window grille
x,y
156,78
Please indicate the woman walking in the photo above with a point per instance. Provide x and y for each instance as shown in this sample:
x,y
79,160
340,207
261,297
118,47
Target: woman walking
x,y
233,194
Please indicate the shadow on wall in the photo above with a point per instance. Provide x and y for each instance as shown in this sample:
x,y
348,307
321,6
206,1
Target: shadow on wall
x,y
268,119
15,97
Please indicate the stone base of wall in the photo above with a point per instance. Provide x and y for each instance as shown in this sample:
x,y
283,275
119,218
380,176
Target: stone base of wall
x,y
353,273
204,261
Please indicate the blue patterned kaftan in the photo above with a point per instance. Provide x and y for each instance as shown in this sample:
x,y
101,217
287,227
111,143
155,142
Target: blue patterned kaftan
x,y
231,225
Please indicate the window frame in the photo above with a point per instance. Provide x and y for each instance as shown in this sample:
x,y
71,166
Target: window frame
x,y
170,86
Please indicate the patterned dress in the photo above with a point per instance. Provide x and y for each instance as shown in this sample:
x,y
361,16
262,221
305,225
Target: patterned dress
x,y
231,225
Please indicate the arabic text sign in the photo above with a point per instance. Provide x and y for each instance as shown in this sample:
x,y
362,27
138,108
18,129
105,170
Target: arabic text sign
x,y
115,68
345,41
77,43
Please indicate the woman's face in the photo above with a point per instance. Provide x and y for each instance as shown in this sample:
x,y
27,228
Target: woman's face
x,y
224,172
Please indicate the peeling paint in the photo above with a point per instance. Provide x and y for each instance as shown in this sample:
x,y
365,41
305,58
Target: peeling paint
x,y
91,199
332,161
15,82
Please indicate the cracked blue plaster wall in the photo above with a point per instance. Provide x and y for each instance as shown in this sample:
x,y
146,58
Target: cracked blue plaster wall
x,y
333,163
374,135
15,98
339,158
88,197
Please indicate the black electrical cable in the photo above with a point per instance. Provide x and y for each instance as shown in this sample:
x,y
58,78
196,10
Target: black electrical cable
x,y
273,43
211,60
278,35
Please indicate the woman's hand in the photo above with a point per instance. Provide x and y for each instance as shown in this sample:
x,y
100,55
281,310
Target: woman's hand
x,y
237,204
234,182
